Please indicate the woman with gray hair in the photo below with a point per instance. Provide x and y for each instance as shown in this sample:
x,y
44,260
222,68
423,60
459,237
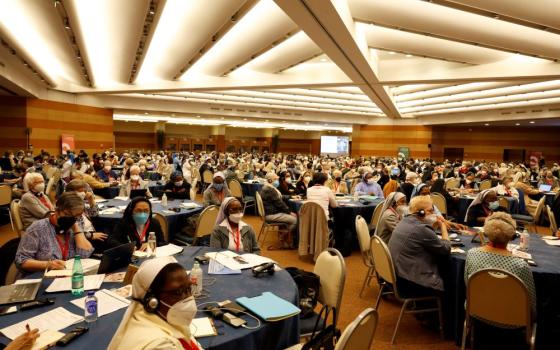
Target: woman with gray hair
x,y
134,183
500,230
34,204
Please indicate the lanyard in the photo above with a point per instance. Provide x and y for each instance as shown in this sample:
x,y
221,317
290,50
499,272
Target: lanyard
x,y
141,238
236,239
336,185
64,247
43,200
188,345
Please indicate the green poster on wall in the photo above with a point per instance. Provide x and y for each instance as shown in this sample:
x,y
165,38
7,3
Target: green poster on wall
x,y
404,153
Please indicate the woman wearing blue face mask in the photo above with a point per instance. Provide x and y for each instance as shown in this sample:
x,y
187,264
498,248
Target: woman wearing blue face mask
x,y
136,225
217,191
485,204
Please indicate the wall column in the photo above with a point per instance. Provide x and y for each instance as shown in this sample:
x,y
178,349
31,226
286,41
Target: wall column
x,y
219,134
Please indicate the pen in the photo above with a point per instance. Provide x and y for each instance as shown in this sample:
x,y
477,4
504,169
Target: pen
x,y
27,327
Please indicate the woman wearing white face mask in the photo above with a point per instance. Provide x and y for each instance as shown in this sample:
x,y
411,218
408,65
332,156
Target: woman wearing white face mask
x,y
34,204
368,186
232,233
416,249
161,310
134,183
303,183
485,204
394,210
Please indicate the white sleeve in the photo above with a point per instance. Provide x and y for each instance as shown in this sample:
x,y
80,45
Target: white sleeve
x,y
332,199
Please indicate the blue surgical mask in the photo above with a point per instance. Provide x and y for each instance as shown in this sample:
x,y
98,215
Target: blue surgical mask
x,y
218,187
493,205
276,183
140,218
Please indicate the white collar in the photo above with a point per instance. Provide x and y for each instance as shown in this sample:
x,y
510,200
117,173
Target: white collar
x,y
225,224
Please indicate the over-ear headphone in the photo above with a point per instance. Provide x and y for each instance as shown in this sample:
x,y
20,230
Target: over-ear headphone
x,y
150,302
421,213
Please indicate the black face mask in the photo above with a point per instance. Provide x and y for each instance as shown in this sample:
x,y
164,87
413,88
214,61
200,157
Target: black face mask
x,y
64,223
338,179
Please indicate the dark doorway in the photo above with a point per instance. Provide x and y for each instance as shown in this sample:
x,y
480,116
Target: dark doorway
x,y
453,153
514,155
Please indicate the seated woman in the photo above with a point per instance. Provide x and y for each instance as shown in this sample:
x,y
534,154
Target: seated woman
x,y
232,233
424,190
468,182
336,184
161,310
217,191
134,183
48,242
34,204
177,187
394,209
285,184
135,226
391,186
368,186
500,230
275,209
303,183
484,205
91,210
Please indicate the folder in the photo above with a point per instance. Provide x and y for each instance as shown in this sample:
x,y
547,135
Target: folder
x,y
269,307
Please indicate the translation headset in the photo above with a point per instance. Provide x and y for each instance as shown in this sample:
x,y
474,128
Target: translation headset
x,y
420,213
150,302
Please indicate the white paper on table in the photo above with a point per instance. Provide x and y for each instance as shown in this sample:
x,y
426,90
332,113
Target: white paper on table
x,y
457,250
47,339
521,254
189,205
552,242
215,268
65,284
107,302
32,280
58,273
140,254
168,250
226,258
88,265
55,319
119,198
109,211
167,211
254,260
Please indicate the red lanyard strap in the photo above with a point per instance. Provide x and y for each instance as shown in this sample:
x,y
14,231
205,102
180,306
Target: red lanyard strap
x,y
237,239
64,247
141,238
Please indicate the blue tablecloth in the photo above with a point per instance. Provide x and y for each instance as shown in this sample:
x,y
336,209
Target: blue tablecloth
x,y
344,217
155,187
250,188
271,335
547,284
175,221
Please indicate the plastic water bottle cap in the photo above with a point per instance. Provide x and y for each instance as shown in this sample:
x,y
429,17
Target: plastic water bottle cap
x,y
91,293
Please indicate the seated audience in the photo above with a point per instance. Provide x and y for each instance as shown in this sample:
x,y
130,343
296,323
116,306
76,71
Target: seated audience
x,y
161,310
303,183
394,209
231,232
549,179
285,184
91,210
321,194
177,187
408,186
484,205
368,186
416,249
134,183
48,242
34,204
217,191
438,186
106,174
391,186
135,226
275,209
468,182
337,185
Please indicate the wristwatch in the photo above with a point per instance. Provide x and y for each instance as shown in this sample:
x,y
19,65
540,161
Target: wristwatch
x,y
89,235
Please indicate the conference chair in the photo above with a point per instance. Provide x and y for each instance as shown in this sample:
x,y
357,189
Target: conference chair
x,y
539,210
452,184
205,223
15,218
552,221
8,269
519,218
376,216
363,239
163,223
192,193
331,269
385,269
314,233
237,191
439,201
206,179
485,185
265,225
6,199
499,297
360,333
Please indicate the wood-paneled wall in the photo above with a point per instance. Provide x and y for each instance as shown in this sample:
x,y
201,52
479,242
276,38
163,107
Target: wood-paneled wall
x,y
385,140
13,121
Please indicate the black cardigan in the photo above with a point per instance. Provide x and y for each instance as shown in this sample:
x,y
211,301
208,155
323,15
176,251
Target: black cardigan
x,y
125,232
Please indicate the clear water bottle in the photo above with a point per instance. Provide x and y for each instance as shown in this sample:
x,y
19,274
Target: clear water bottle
x,y
524,244
152,244
90,309
77,277
196,280
356,196
164,200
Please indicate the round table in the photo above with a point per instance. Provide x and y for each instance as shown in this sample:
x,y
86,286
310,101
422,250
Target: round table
x,y
175,220
251,188
271,335
466,200
547,285
155,187
344,217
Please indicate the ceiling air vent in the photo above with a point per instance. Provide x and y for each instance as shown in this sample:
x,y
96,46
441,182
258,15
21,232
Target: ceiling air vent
x,y
554,109
520,112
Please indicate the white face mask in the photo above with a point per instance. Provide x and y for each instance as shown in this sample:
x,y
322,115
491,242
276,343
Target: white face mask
x,y
182,312
82,195
307,179
370,181
107,168
179,183
430,219
235,217
135,177
289,180
402,210
38,188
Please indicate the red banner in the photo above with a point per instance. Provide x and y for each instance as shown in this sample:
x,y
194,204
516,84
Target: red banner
x,y
67,143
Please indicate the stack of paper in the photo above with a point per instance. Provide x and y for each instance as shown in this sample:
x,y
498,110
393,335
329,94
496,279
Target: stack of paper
x,y
88,265
215,268
235,261
189,205
55,319
168,250
100,200
552,242
109,211
119,198
107,302
269,307
65,284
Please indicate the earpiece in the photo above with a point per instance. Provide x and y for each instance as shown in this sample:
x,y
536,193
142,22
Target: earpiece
x,y
150,303
421,213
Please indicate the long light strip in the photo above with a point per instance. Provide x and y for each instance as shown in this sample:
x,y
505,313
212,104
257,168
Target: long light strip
x,y
450,90
492,106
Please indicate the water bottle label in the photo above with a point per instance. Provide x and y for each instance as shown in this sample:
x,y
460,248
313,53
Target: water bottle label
x,y
91,307
77,282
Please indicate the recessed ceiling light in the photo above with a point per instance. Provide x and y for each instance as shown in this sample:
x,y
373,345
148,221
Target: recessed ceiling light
x,y
408,55
532,122
517,124
244,118
323,60
486,124
391,52
172,114
146,113
198,116
222,118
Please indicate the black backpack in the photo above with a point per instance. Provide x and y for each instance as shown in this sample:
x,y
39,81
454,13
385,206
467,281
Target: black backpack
x,y
308,285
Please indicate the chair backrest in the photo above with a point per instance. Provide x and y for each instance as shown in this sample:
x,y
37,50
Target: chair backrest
x,y
498,296
503,202
207,221
539,209
260,205
163,223
331,269
353,186
362,231
8,270
5,195
50,191
235,189
485,185
50,171
552,220
207,177
452,183
376,214
439,201
518,176
383,262
11,274
16,217
313,230
192,194
360,332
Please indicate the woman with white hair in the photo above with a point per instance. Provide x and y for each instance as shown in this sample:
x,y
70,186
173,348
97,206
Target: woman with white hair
x,y
134,183
500,230
161,311
34,204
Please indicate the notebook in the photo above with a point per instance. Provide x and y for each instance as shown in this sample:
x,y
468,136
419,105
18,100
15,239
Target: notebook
x,y
269,307
545,188
203,327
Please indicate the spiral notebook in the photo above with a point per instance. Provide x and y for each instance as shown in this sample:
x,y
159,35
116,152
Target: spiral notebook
x,y
269,307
